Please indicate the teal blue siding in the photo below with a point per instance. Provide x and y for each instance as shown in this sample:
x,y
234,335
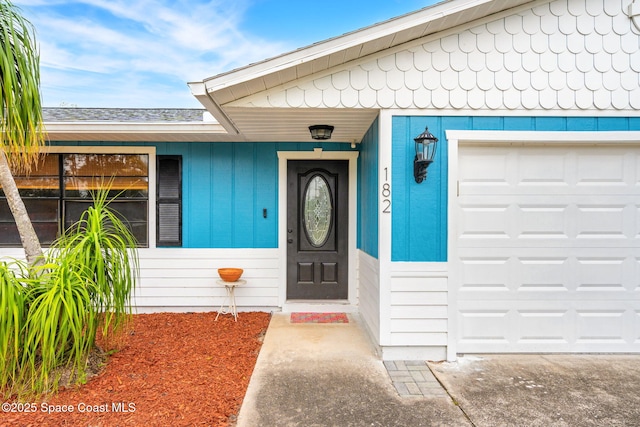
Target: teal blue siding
x,y
229,185
368,192
419,224
218,185
226,186
418,208
267,196
195,168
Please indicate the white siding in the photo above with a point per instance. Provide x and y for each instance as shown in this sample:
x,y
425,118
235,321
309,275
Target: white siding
x,y
369,293
187,278
418,311
178,279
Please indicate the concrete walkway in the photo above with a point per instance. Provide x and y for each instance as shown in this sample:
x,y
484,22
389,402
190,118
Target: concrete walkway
x,y
329,375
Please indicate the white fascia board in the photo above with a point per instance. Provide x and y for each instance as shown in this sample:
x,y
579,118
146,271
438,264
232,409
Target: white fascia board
x,y
199,90
327,47
133,127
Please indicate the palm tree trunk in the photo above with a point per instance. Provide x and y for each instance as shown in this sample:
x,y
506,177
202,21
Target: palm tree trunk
x,y
30,241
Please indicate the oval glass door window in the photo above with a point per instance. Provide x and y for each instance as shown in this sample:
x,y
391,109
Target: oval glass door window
x,y
317,211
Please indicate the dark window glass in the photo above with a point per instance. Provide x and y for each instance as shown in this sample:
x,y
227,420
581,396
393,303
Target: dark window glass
x,y
133,214
106,165
46,232
67,181
38,210
42,210
40,193
127,187
9,233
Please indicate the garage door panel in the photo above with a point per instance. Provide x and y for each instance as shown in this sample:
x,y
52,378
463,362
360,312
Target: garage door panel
x,y
547,326
599,168
548,249
489,221
561,294
531,168
599,222
602,243
590,190
547,270
528,274
604,274
600,326
483,326
541,221
537,168
543,326
485,168
485,273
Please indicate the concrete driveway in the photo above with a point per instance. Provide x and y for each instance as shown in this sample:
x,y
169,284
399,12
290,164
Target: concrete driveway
x,y
315,375
545,390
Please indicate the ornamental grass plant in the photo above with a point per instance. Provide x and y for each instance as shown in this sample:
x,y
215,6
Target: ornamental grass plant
x,y
12,321
51,313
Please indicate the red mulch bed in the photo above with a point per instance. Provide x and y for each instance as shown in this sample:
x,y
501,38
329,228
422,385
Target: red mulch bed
x,y
174,369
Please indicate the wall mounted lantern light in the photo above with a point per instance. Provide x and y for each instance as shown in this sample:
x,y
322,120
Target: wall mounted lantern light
x,y
426,144
321,131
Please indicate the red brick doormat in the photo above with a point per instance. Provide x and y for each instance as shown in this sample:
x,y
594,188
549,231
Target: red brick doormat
x,y
319,318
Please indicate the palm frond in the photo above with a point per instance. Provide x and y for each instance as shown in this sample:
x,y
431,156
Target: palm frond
x,y
20,103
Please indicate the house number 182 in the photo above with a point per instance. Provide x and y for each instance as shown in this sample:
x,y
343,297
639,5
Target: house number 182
x,y
386,193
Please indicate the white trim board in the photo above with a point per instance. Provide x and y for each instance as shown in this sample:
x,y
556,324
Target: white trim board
x,y
494,137
385,156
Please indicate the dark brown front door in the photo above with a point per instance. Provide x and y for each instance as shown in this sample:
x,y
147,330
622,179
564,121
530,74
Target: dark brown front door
x,y
317,235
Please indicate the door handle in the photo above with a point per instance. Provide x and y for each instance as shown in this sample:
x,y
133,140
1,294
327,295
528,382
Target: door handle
x,y
290,240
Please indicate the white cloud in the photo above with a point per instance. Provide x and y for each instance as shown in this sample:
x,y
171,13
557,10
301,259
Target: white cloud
x,y
95,53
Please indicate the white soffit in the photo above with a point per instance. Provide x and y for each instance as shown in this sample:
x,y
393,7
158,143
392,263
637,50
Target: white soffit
x,y
292,125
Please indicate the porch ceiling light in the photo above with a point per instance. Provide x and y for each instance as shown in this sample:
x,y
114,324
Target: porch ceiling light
x,y
321,131
426,144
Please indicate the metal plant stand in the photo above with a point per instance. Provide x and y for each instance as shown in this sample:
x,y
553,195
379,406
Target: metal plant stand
x,y
230,299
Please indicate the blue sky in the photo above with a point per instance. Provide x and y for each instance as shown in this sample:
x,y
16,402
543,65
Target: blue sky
x,y
142,53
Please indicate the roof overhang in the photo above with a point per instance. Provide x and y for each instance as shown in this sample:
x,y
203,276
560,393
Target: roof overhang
x,y
137,132
222,94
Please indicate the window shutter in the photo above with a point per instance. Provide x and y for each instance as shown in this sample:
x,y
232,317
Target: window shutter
x,y
169,201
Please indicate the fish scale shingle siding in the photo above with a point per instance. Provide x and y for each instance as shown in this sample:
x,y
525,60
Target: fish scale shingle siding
x,y
565,54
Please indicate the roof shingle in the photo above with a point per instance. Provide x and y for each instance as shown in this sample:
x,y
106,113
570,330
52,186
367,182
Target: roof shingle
x,y
151,115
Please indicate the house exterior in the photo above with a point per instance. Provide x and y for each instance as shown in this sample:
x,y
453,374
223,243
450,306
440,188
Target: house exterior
x,y
523,237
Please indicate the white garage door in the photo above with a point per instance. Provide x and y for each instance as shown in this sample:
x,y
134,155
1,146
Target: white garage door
x,y
548,249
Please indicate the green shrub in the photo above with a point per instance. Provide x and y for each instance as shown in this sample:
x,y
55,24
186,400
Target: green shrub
x,y
50,316
60,326
103,250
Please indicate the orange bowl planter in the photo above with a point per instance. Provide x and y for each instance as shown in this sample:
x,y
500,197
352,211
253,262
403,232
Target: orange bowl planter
x,y
230,274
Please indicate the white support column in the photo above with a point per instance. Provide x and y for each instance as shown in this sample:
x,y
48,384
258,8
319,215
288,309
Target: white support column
x,y
385,209
452,250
